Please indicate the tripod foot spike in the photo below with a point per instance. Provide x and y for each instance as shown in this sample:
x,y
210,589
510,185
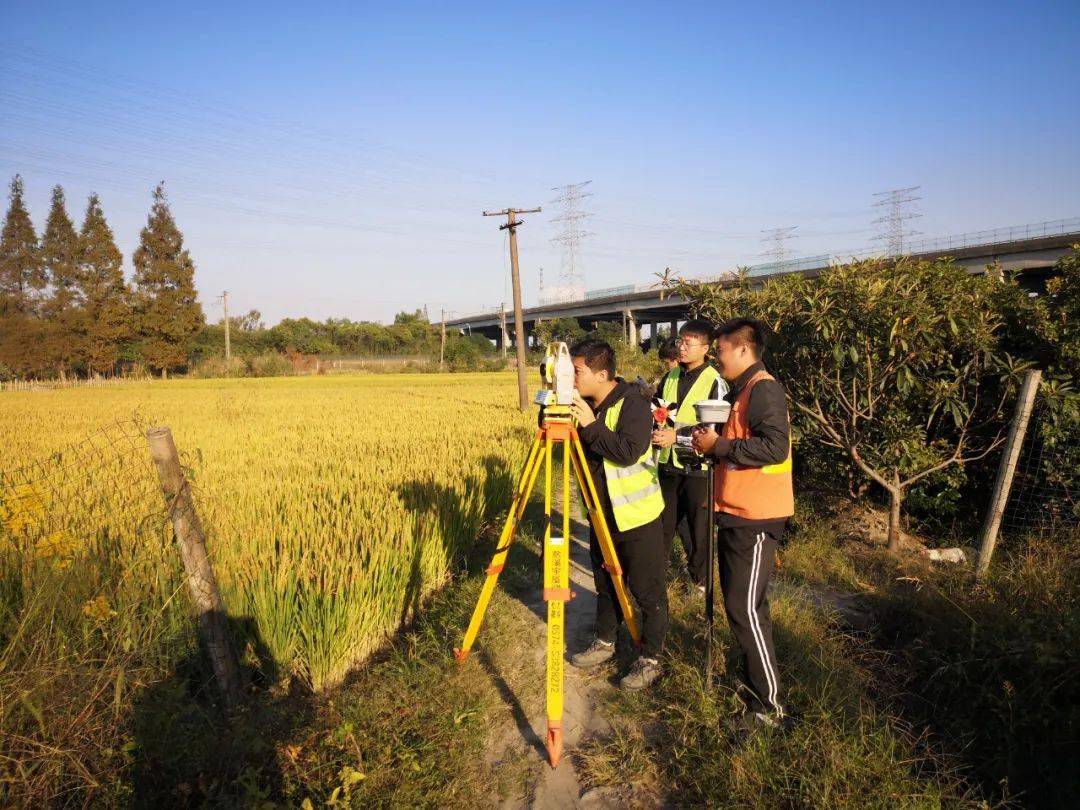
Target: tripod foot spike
x,y
554,745
460,655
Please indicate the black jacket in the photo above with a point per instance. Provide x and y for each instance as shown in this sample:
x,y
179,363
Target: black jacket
x,y
624,445
767,416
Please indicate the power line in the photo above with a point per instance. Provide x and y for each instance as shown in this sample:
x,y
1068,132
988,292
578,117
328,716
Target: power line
x,y
892,230
47,70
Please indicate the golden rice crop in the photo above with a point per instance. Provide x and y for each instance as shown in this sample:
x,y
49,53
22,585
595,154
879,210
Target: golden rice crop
x,y
332,505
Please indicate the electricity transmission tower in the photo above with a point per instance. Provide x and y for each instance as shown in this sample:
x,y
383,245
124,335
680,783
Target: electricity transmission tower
x,y
774,240
893,231
571,233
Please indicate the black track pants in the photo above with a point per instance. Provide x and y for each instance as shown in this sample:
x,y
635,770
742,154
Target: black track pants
x,y
685,497
641,555
746,554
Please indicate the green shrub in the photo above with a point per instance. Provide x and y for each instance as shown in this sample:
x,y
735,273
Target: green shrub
x,y
270,364
897,364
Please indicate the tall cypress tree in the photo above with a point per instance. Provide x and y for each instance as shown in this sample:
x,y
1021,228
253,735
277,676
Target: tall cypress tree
x,y
60,259
21,274
106,306
167,310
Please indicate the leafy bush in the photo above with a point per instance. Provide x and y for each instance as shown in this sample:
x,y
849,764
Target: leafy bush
x,y
267,364
270,364
898,365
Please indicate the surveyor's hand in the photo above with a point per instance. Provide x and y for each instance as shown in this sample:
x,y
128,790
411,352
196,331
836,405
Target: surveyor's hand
x,y
663,437
581,411
704,440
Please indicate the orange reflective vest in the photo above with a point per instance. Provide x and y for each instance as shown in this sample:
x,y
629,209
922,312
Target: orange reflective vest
x,y
754,493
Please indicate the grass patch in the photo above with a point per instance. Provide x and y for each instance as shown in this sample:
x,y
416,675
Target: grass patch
x,y
994,667
845,751
411,729
990,670
115,720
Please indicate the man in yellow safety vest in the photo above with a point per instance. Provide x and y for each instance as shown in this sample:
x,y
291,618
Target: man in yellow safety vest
x,y
614,422
685,483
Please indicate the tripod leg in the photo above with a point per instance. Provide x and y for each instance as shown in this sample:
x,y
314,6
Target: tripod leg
x,y
506,537
556,594
603,535
710,586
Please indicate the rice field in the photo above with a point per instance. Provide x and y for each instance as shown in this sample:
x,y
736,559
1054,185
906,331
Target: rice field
x,y
332,505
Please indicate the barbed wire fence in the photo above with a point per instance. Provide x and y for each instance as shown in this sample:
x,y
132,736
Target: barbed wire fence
x,y
1038,476
1045,494
99,546
94,492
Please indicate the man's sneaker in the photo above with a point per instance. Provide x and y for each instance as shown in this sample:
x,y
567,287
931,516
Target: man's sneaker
x,y
642,673
595,654
749,722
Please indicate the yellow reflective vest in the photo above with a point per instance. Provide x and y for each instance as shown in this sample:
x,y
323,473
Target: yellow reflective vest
x,y
634,489
686,415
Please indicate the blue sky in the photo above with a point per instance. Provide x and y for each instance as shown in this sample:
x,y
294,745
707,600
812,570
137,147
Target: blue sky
x,y
333,159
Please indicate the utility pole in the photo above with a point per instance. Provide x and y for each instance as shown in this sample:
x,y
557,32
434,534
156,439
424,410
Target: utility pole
x,y
442,337
225,312
515,277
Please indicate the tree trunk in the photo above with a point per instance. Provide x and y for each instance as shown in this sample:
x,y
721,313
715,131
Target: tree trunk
x,y
896,497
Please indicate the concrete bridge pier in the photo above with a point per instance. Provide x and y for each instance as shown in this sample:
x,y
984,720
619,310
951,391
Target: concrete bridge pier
x,y
630,326
652,333
504,336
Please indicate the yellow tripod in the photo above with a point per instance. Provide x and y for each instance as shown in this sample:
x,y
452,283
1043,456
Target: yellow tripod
x,y
558,428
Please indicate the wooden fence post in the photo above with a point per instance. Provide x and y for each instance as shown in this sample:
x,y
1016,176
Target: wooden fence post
x,y
202,584
1006,468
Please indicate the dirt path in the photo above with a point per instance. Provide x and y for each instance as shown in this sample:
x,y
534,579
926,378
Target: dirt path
x,y
560,787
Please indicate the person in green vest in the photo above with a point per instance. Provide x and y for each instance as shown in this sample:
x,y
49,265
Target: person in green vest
x,y
668,354
683,481
615,424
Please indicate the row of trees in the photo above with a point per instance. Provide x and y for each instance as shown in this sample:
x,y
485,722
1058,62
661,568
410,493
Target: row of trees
x,y
65,306
410,334
903,371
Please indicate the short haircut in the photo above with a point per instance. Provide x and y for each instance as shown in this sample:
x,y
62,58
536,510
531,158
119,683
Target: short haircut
x,y
744,332
597,354
699,328
668,350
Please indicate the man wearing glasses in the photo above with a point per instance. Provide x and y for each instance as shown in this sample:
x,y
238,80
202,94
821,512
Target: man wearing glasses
x,y
685,483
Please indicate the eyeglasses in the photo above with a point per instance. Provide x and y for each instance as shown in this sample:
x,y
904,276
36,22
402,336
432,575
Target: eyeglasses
x,y
687,344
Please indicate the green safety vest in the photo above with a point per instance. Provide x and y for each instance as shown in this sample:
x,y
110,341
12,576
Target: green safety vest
x,y
634,489
698,391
